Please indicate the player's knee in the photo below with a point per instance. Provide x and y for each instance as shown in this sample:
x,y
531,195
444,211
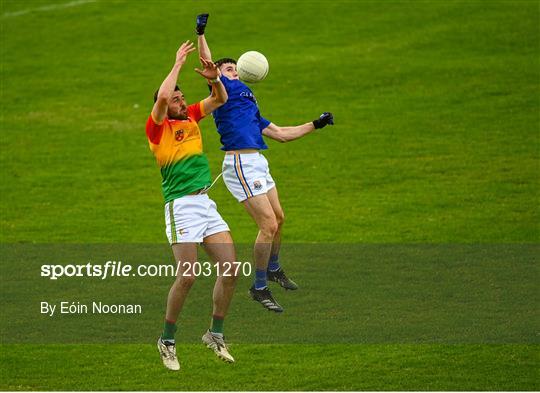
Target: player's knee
x,y
230,281
186,282
270,227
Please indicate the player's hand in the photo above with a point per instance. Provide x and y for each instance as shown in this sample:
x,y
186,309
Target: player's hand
x,y
202,19
185,49
323,120
210,70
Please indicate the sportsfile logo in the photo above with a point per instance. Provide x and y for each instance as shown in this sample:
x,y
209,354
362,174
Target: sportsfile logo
x,y
111,269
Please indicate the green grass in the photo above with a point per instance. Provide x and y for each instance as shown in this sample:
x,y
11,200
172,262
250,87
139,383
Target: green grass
x,y
357,294
437,108
275,367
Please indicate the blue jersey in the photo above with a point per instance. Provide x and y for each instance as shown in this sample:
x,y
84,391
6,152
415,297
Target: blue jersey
x,y
238,121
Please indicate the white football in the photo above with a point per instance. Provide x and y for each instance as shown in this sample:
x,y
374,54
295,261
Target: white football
x,y
252,67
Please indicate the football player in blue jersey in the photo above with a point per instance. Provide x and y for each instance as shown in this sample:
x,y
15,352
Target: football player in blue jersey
x,y
245,169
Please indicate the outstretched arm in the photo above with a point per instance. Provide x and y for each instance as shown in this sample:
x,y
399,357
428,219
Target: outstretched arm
x,y
204,50
166,90
219,94
287,134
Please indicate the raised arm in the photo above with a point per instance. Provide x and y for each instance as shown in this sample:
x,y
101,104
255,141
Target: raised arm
x,y
166,90
287,134
204,50
219,94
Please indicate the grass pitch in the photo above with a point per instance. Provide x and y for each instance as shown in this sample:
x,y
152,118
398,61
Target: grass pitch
x,y
274,367
436,106
436,141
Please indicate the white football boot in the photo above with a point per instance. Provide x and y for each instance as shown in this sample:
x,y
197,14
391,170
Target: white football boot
x,y
167,351
217,344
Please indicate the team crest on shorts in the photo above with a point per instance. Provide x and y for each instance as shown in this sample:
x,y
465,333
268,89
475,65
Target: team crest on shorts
x,y
257,185
179,135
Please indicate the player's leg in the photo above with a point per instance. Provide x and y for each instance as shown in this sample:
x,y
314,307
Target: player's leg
x,y
185,254
275,271
185,227
220,249
218,243
245,177
260,209
272,194
273,197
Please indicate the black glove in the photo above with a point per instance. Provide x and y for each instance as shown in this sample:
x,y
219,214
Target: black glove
x,y
202,19
323,120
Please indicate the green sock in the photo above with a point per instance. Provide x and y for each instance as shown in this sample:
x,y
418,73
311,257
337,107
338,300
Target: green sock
x,y
168,330
217,324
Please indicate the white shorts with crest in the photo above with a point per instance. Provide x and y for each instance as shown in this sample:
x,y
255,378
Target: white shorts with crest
x,y
247,175
191,218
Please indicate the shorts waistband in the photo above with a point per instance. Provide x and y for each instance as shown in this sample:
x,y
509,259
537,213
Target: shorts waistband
x,y
203,192
243,151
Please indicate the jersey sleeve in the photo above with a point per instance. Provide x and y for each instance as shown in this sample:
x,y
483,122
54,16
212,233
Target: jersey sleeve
x,y
263,123
154,131
196,111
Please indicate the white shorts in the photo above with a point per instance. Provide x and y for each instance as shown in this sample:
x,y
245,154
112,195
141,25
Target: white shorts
x,y
247,175
192,218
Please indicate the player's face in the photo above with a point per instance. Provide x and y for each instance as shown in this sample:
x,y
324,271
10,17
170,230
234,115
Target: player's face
x,y
177,107
229,70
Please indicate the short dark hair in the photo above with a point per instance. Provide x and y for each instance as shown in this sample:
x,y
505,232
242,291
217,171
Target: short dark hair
x,y
224,60
176,88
